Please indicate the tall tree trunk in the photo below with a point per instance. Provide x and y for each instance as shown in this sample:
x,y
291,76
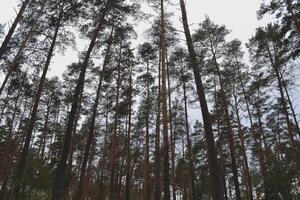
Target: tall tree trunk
x,y
29,130
257,147
44,132
295,148
60,179
189,145
104,159
209,136
173,155
12,66
157,192
113,171
166,164
13,27
78,194
229,134
171,127
220,143
8,154
147,141
128,139
244,154
290,103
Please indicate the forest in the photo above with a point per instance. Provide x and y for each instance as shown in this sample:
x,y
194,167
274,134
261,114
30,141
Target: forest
x,y
185,114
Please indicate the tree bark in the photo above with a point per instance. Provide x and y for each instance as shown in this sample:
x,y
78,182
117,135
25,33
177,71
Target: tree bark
x,y
147,141
90,138
12,66
30,127
166,164
59,180
209,136
113,192
244,154
157,192
13,27
128,153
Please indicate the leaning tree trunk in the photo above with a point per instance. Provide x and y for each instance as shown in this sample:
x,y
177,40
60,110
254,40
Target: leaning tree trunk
x,y
25,149
78,194
290,103
60,179
295,148
12,66
209,136
13,27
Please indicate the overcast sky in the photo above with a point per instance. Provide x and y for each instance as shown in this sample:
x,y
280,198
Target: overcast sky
x,y
238,15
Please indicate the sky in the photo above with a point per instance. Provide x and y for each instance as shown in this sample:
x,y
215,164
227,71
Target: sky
x,y
239,16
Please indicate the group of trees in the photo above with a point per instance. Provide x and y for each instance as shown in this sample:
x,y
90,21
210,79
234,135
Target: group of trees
x,y
118,124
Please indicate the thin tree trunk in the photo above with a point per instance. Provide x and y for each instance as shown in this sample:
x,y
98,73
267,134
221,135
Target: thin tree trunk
x,y
244,154
146,167
189,146
157,192
173,155
209,136
128,153
166,164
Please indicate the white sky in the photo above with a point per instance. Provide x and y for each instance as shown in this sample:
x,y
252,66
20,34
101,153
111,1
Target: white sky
x,y
238,15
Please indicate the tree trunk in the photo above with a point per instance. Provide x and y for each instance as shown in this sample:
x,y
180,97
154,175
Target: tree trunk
x,y
209,136
290,103
60,179
11,31
78,194
30,127
244,154
295,148
128,153
12,66
166,164
157,192
146,167
230,136
113,192
189,145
